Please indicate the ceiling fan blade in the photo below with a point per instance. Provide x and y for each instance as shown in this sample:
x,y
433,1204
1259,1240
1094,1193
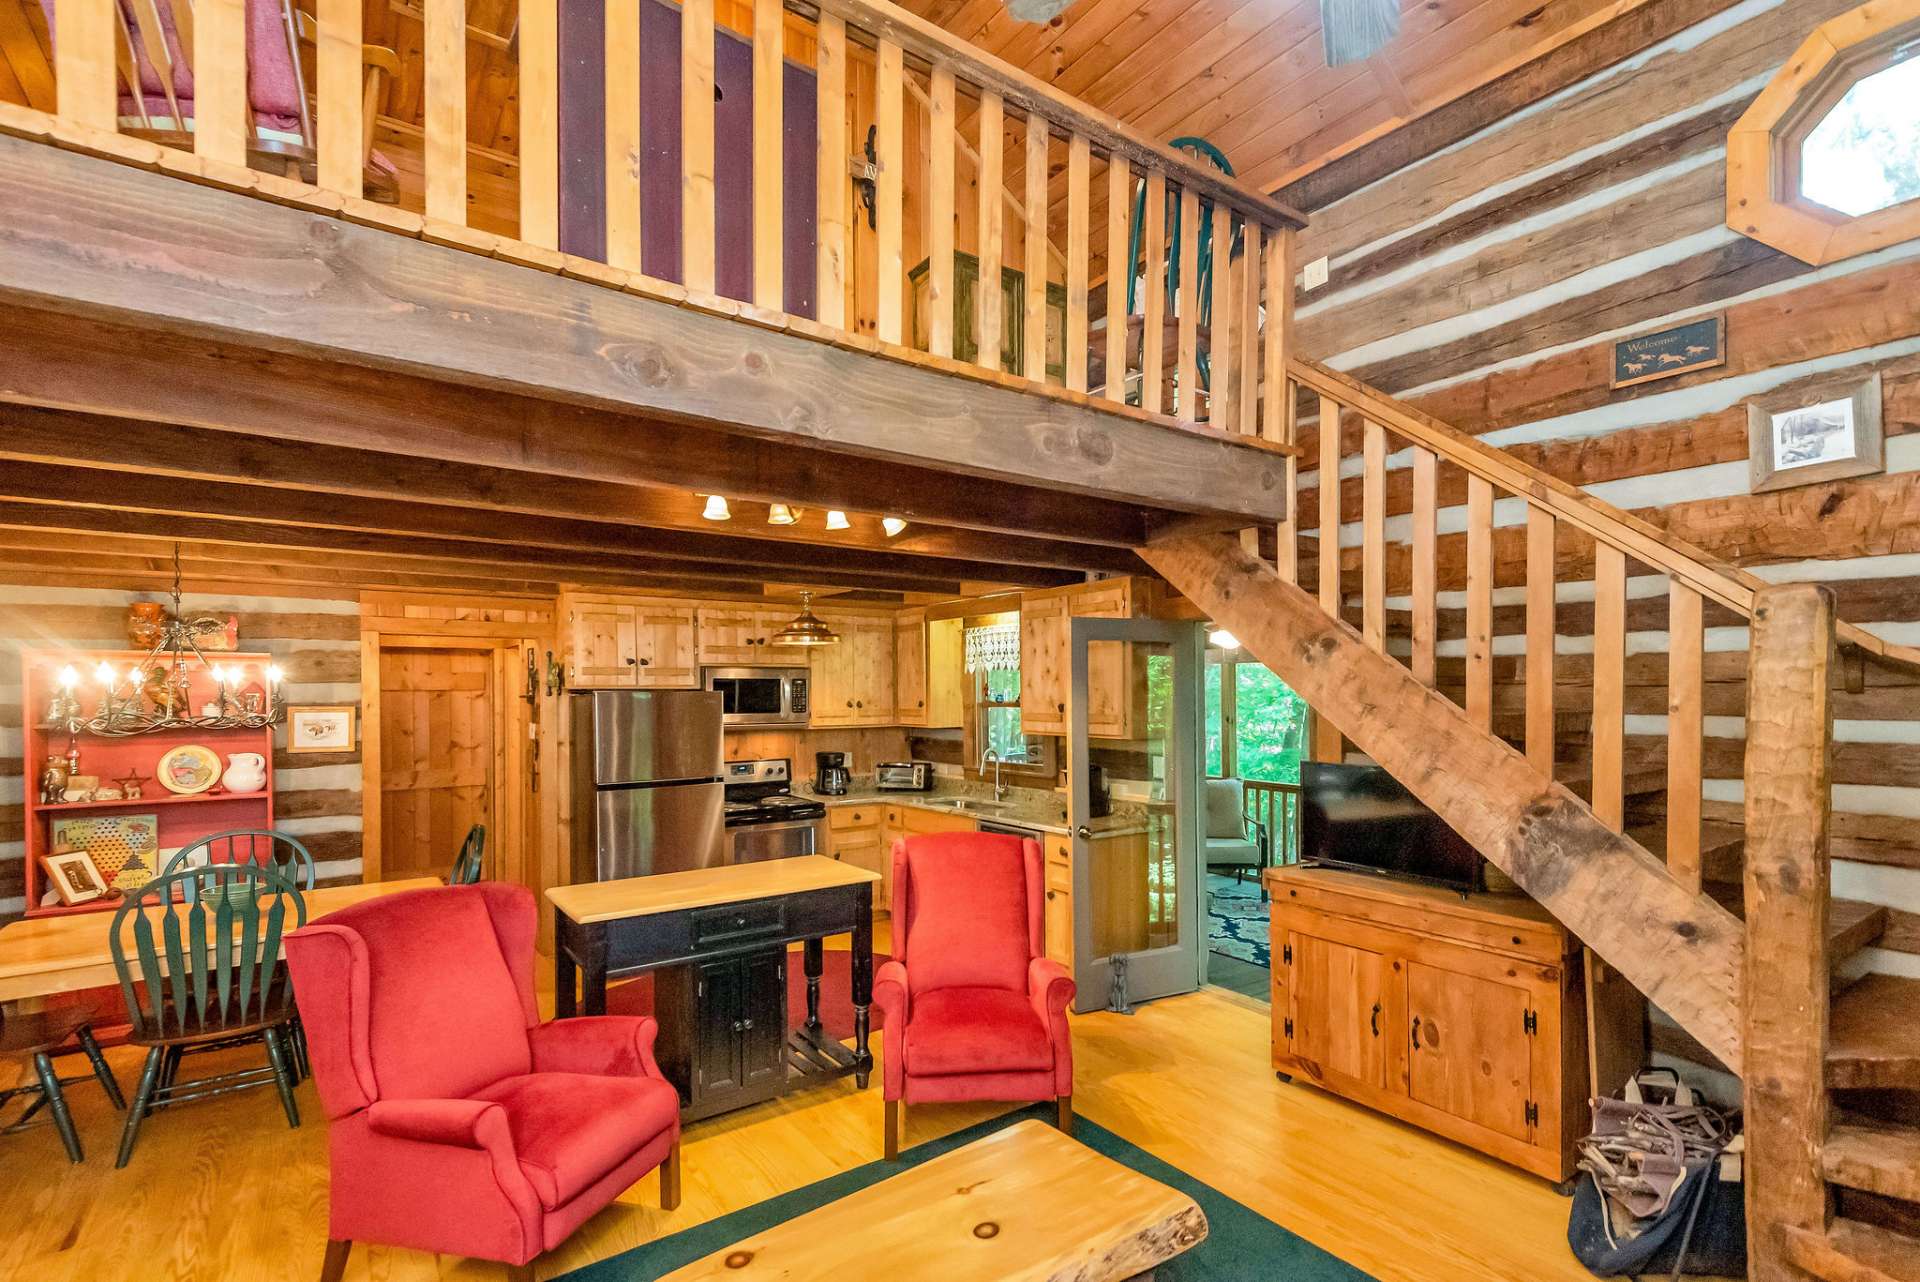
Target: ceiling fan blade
x,y
1356,29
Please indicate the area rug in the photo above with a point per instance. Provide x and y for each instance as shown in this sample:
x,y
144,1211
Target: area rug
x,y
635,996
1241,1245
1237,920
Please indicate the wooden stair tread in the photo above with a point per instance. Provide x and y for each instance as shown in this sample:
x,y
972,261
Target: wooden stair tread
x,y
1851,1251
1883,1159
1723,847
1633,783
1852,924
1875,1036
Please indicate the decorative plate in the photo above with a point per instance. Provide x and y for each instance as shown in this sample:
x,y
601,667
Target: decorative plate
x,y
188,769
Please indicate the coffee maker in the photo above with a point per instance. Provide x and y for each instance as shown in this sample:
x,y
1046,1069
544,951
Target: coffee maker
x,y
831,775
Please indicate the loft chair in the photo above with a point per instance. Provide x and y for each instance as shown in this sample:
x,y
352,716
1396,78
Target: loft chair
x,y
39,1036
206,971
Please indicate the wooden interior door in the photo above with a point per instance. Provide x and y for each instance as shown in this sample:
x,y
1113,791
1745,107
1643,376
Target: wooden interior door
x,y
1471,1054
1339,1009
438,758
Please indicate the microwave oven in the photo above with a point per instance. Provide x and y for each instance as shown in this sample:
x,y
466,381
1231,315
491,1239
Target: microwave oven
x,y
759,696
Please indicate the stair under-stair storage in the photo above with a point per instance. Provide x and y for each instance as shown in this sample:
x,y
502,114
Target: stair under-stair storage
x,y
1460,1014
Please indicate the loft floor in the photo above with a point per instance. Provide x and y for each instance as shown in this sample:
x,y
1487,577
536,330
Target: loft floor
x,y
222,1189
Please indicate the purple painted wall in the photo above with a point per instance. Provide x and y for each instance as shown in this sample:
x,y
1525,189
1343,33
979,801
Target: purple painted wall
x,y
583,228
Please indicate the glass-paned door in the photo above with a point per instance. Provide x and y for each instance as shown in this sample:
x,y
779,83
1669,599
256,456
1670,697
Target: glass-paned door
x,y
1135,806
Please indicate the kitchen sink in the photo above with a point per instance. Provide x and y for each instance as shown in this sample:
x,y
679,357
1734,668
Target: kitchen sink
x,y
982,807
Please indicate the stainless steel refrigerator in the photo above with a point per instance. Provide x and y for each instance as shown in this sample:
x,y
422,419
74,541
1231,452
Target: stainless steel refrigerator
x,y
647,790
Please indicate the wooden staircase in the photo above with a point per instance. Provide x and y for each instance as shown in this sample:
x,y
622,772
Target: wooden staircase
x,y
1730,929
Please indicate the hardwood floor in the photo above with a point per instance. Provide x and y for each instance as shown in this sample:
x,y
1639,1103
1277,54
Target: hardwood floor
x,y
223,1190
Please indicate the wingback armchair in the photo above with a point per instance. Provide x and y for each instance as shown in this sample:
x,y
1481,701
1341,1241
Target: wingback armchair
x,y
459,1122
972,1009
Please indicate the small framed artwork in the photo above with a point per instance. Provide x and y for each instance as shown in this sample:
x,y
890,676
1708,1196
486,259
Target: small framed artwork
x,y
1825,435
321,729
74,877
1679,349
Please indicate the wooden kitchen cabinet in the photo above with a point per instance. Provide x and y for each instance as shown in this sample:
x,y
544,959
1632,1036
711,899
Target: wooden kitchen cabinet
x,y
629,643
740,636
853,681
1463,1015
1116,682
929,662
855,835
723,1030
1057,874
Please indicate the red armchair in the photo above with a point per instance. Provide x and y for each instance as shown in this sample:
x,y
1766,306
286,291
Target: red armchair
x,y
460,1122
972,1009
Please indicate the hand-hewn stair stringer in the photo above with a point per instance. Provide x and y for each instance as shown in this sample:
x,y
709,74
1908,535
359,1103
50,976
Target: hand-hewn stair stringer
x,y
1683,950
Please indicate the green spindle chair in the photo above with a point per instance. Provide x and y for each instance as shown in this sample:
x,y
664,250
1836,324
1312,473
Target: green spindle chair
x,y
206,969
275,851
466,868
40,1035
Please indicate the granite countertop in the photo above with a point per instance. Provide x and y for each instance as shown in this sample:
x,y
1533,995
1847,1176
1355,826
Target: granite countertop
x,y
1039,811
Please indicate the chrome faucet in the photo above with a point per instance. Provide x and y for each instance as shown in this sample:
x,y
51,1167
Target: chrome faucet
x,y
999,789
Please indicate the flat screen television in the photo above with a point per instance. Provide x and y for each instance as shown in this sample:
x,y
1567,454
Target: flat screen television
x,y
1359,817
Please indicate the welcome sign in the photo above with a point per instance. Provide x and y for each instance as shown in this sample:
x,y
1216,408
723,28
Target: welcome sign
x,y
1699,344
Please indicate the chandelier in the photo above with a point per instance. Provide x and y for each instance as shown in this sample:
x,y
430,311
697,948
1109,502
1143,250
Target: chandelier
x,y
154,693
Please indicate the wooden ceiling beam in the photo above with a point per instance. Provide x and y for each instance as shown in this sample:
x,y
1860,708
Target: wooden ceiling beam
x,y
506,448
452,500
88,236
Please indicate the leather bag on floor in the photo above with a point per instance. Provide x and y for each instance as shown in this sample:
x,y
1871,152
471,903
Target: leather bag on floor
x,y
1659,1192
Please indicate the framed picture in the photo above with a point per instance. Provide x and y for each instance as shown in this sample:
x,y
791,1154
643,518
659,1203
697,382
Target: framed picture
x,y
1678,349
73,877
1825,434
321,729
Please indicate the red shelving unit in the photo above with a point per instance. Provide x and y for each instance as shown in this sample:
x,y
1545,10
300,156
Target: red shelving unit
x,y
180,819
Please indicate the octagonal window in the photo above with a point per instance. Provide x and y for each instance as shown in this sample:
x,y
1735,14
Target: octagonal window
x,y
1864,154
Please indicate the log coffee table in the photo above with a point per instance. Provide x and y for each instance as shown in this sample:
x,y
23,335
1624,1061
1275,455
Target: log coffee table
x,y
1025,1204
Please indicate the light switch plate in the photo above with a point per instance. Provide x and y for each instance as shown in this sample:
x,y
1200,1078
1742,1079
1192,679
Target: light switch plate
x,y
1316,274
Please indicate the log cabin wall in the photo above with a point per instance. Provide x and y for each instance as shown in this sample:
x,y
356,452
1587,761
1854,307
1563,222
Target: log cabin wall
x,y
1486,284
315,640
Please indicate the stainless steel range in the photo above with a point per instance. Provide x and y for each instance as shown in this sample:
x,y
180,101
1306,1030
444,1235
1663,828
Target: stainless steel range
x,y
764,819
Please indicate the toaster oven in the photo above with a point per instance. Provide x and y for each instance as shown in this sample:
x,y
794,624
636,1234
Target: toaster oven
x,y
903,776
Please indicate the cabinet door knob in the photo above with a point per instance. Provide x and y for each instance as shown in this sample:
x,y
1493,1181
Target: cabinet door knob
x,y
645,662
1374,1019
1050,894
849,703
1416,1032
1061,706
630,661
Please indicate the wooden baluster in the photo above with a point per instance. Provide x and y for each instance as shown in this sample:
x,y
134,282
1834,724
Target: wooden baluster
x,y
337,86
1287,555
1119,273
696,145
1426,511
1247,361
1480,602
623,133
1079,257
446,117
1033,362
987,298
940,143
1788,875
1326,738
834,191
1278,266
1221,325
769,143
1187,309
1153,289
222,116
1540,639
1373,535
83,76
539,40
1609,683
889,196
1686,642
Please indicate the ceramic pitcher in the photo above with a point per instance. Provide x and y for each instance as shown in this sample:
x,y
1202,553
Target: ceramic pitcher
x,y
246,772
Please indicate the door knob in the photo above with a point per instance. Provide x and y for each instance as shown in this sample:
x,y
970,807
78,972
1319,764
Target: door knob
x,y
1083,832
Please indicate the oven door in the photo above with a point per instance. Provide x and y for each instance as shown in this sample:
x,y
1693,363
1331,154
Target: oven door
x,y
753,843
754,696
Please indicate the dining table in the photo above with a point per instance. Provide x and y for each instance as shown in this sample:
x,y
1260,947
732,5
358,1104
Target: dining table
x,y
43,956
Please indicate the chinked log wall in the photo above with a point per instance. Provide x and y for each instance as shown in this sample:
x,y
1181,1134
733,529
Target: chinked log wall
x,y
1486,285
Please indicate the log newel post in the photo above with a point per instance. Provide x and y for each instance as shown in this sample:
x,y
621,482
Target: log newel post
x,y
1786,1006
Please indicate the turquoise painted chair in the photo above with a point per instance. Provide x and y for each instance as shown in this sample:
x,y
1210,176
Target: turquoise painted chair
x,y
466,868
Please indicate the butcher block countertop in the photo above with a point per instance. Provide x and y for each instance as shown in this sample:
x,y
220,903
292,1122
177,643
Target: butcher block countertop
x,y
703,887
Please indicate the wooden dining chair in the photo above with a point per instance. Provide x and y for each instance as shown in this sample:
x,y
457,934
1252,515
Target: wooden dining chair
x,y
205,971
41,1036
466,868
268,848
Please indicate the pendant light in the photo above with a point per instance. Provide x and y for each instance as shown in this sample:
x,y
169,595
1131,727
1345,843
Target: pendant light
x,y
837,520
1222,639
807,628
892,525
781,514
716,509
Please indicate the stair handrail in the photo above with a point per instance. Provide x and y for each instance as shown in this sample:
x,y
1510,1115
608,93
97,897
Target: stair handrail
x,y
1713,578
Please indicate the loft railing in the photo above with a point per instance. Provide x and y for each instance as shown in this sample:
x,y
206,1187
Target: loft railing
x,y
1276,808
868,63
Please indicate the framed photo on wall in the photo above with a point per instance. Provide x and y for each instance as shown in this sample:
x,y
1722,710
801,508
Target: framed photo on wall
x,y
1826,434
321,728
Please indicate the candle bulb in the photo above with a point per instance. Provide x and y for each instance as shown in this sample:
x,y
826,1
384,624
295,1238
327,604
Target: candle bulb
x,y
273,676
105,674
69,678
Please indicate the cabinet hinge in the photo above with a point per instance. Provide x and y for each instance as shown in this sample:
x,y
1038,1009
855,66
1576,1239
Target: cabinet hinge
x,y
1531,1023
1286,955
1289,1027
1533,1113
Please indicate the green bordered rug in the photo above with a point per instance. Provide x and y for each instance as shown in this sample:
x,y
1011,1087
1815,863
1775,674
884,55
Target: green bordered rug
x,y
1241,1245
